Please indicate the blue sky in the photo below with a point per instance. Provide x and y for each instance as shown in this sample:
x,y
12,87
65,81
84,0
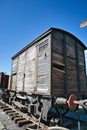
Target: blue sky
x,y
21,21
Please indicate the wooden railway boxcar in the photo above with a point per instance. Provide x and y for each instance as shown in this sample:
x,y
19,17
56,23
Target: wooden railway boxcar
x,y
53,64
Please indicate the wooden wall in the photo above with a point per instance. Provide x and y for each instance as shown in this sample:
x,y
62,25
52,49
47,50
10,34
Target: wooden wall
x,y
23,71
20,71
14,74
71,65
57,64
68,65
31,70
44,66
82,73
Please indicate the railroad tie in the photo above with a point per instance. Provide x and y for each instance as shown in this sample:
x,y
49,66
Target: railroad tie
x,y
18,118
11,114
20,123
29,122
7,108
15,116
9,111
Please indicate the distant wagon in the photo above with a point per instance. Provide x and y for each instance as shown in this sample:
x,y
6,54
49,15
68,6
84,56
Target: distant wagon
x,y
53,64
4,80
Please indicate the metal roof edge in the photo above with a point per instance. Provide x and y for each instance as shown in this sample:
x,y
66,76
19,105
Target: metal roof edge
x,y
57,29
45,34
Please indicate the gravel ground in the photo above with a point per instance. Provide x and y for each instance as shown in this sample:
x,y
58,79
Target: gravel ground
x,y
7,122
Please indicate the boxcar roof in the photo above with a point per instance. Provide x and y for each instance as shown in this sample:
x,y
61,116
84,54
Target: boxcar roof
x,y
45,34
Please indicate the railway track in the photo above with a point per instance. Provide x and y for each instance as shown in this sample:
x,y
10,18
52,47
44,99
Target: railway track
x,y
24,120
